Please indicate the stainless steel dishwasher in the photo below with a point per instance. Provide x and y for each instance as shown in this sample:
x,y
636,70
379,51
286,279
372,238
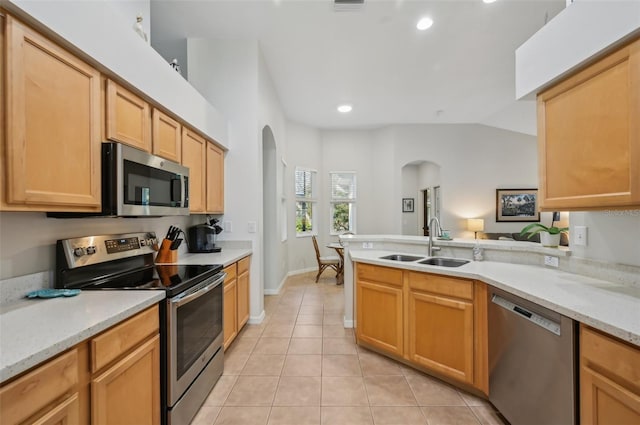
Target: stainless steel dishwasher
x,y
532,365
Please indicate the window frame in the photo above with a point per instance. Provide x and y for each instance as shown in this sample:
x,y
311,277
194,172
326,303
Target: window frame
x,y
313,200
352,201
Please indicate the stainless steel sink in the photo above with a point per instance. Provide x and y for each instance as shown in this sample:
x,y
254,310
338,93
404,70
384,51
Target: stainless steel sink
x,y
444,262
400,257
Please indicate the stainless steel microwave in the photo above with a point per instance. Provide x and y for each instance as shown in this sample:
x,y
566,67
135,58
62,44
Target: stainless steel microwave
x,y
136,183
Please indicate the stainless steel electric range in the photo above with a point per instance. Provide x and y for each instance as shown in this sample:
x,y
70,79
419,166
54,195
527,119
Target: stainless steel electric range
x,y
190,317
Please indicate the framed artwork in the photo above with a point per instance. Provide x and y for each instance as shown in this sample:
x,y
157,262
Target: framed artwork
x,y
407,205
517,205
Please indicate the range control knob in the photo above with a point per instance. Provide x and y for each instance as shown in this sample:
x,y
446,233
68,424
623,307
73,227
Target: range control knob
x,y
78,252
143,242
91,250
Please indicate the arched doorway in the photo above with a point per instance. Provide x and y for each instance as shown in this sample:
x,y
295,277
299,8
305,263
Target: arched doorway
x,y
270,238
421,185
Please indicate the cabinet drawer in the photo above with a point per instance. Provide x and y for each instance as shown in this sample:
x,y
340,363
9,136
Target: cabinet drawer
x,y
444,285
379,274
243,265
123,337
27,395
231,273
606,353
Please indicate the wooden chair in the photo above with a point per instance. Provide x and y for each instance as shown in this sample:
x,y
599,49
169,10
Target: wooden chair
x,y
329,261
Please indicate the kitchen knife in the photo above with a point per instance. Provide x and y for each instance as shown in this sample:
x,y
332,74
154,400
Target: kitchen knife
x,y
175,244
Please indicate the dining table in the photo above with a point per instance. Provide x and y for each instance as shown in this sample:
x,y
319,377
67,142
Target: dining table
x,y
340,272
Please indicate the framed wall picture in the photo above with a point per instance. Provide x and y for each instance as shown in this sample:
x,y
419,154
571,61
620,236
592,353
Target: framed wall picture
x,y
517,205
407,205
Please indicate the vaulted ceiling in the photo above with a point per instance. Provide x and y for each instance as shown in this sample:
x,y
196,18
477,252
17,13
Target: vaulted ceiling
x,y
461,70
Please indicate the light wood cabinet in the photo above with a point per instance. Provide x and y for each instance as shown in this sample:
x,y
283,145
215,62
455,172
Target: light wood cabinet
x,y
52,145
609,379
589,136
167,136
380,308
243,291
441,324
128,118
434,322
230,307
194,151
237,286
215,179
48,392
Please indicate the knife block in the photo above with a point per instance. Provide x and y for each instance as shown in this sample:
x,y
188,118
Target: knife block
x,y
165,254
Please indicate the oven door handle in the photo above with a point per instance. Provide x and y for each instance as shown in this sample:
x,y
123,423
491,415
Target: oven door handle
x,y
179,301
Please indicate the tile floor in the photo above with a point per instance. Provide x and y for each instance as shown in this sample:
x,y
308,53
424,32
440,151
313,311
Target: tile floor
x,y
300,366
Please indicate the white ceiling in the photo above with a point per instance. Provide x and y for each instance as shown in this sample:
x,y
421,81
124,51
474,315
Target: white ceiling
x,y
461,70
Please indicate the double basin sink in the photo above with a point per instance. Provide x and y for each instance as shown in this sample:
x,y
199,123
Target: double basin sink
x,y
432,261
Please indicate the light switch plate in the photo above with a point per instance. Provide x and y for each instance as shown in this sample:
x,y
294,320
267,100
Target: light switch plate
x,y
580,235
367,245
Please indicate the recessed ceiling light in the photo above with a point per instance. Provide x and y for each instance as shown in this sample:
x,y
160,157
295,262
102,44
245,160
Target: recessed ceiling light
x,y
424,23
345,108
489,1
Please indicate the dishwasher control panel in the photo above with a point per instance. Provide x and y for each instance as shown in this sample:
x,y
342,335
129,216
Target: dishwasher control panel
x,y
531,316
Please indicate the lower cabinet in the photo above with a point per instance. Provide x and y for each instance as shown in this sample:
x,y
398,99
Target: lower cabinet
x,y
435,322
609,379
236,299
119,368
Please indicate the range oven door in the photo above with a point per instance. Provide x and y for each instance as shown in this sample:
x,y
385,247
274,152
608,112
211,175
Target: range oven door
x,y
194,333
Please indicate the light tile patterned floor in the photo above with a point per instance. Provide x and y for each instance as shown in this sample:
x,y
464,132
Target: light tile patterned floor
x,y
302,367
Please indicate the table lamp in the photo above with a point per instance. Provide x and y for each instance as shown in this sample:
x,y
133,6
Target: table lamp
x,y
475,225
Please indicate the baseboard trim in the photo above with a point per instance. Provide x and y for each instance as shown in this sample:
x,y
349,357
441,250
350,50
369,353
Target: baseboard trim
x,y
302,271
256,320
348,323
276,291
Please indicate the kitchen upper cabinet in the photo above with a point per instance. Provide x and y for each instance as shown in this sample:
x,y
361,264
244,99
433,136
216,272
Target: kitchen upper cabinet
x,y
215,179
46,395
379,308
609,379
128,118
441,324
230,306
589,136
52,145
167,136
194,151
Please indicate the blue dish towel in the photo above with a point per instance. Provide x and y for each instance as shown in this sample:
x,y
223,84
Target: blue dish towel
x,y
53,293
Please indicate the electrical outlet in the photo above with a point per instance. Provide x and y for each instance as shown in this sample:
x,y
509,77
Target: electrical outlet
x,y
228,227
367,245
251,227
550,261
580,235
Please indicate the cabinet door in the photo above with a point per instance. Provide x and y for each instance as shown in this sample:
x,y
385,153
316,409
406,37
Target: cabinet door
x,y
230,310
606,402
167,136
589,136
129,391
65,413
53,144
194,149
128,118
440,333
243,291
379,316
215,179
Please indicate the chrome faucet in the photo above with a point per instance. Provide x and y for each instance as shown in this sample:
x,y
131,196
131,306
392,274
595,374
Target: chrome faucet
x,y
433,232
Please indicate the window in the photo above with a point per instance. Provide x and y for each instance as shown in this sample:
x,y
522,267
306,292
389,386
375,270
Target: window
x,y
343,202
305,182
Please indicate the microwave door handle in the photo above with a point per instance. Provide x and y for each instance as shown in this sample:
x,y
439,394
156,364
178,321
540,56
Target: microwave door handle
x,y
180,301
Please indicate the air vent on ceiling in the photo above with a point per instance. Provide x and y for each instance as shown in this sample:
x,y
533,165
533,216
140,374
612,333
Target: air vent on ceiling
x,y
347,5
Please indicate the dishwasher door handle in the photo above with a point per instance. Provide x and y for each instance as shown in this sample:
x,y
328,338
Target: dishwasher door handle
x,y
534,318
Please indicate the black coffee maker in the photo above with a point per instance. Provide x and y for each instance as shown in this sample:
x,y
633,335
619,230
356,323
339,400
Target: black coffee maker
x,y
202,237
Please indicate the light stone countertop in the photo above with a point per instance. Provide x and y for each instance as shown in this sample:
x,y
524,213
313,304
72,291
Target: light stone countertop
x,y
226,257
611,307
34,330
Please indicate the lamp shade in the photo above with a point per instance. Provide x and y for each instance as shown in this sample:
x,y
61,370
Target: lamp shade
x,y
475,224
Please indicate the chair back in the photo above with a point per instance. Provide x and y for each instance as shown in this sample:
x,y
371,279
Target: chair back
x,y
315,245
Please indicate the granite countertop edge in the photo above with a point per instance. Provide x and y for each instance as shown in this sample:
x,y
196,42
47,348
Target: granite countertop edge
x,y
610,307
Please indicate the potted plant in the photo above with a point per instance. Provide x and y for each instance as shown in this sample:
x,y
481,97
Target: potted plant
x,y
549,236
